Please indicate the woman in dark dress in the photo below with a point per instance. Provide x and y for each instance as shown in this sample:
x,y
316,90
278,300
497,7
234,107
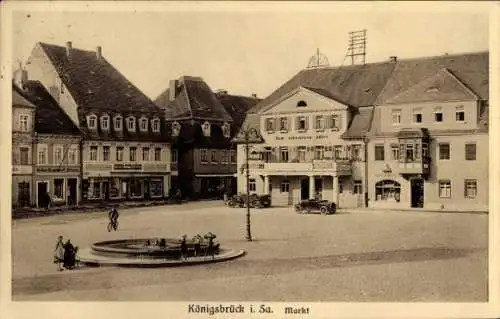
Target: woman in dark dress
x,y
69,255
184,249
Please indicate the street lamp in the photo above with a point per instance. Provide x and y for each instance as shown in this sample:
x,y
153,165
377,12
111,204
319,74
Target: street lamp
x,y
248,136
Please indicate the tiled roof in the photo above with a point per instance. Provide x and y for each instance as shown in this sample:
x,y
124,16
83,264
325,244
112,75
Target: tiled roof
x,y
18,97
237,107
193,99
360,123
471,69
49,117
98,87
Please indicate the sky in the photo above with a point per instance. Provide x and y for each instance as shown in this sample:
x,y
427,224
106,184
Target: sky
x,y
247,50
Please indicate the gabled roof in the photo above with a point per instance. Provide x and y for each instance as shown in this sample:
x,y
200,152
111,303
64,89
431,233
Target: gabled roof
x,y
442,86
471,69
194,100
49,117
237,107
94,83
18,98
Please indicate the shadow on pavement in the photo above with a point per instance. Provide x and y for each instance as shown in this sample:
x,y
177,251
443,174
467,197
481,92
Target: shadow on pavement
x,y
110,277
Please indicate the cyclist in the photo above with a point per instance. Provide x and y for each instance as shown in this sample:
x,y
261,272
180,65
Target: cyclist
x,y
113,217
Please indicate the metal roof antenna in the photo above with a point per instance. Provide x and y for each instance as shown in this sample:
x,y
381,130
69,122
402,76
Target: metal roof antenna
x,y
357,47
318,60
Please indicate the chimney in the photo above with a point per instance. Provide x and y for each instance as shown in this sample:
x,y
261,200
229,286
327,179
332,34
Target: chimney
x,y
172,90
254,95
393,58
20,77
69,46
98,52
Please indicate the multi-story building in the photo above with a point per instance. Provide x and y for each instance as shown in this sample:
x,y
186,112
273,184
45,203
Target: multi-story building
x,y
23,116
429,139
313,128
387,134
57,169
125,152
202,124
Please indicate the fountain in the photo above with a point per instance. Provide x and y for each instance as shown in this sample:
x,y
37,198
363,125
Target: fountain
x,y
156,252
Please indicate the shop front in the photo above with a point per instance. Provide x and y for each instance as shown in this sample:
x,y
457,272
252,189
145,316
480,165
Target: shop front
x,y
57,186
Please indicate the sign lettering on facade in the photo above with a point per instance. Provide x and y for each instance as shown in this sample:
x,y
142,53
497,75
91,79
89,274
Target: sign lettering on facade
x,y
317,137
57,169
127,167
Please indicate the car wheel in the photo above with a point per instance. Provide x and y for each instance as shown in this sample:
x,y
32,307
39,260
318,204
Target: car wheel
x,y
333,209
298,209
323,210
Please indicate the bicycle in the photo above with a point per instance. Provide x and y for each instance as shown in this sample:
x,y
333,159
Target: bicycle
x,y
112,225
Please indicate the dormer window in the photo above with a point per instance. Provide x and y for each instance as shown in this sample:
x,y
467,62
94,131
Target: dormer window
x,y
176,129
301,104
156,125
226,130
92,122
143,122
131,124
105,122
206,129
118,123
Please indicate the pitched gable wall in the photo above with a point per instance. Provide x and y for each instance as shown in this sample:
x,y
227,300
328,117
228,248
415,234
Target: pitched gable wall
x,y
40,67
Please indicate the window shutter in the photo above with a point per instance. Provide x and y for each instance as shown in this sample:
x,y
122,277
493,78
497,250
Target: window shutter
x,y
339,121
289,123
328,121
402,150
297,123
307,122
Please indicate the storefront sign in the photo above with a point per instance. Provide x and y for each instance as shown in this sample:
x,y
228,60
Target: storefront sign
x,y
58,169
127,167
302,137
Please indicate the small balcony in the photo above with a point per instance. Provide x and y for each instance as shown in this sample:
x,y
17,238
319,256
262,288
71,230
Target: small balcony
x,y
419,167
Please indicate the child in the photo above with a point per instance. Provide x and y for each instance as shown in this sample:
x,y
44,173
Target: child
x,y
59,253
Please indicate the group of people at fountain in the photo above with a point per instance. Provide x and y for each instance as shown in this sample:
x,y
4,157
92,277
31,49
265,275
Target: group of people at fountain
x,y
209,249
65,254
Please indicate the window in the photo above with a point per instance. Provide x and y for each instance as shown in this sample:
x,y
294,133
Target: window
x,y
156,125
438,115
356,152
72,156
301,104
93,153
24,152
445,188
339,152
269,125
157,154
23,122
213,156
417,116
156,188
285,186
131,124
252,187
145,154
334,122
387,190
203,156
301,150
358,187
226,131
444,151
470,152
396,117
319,152
118,123
59,188
135,188
379,152
460,114
302,123
395,152
105,153
144,125
206,129
58,154
105,122
232,154
119,153
133,154
176,129
319,122
283,124
92,122
174,156
284,154
224,156
410,153
470,188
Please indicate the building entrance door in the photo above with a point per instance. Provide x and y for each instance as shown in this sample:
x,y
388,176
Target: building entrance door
x,y
23,194
304,188
105,190
42,198
72,191
417,193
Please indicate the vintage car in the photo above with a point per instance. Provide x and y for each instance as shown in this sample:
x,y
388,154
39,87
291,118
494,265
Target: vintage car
x,y
256,201
325,207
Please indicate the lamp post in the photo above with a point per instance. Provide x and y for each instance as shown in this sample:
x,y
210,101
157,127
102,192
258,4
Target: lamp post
x,y
248,136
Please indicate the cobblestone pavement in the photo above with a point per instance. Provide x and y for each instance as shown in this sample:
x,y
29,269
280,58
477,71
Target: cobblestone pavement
x,y
362,256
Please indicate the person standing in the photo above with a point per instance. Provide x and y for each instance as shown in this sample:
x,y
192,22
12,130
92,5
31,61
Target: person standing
x,y
69,255
184,249
197,245
59,253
